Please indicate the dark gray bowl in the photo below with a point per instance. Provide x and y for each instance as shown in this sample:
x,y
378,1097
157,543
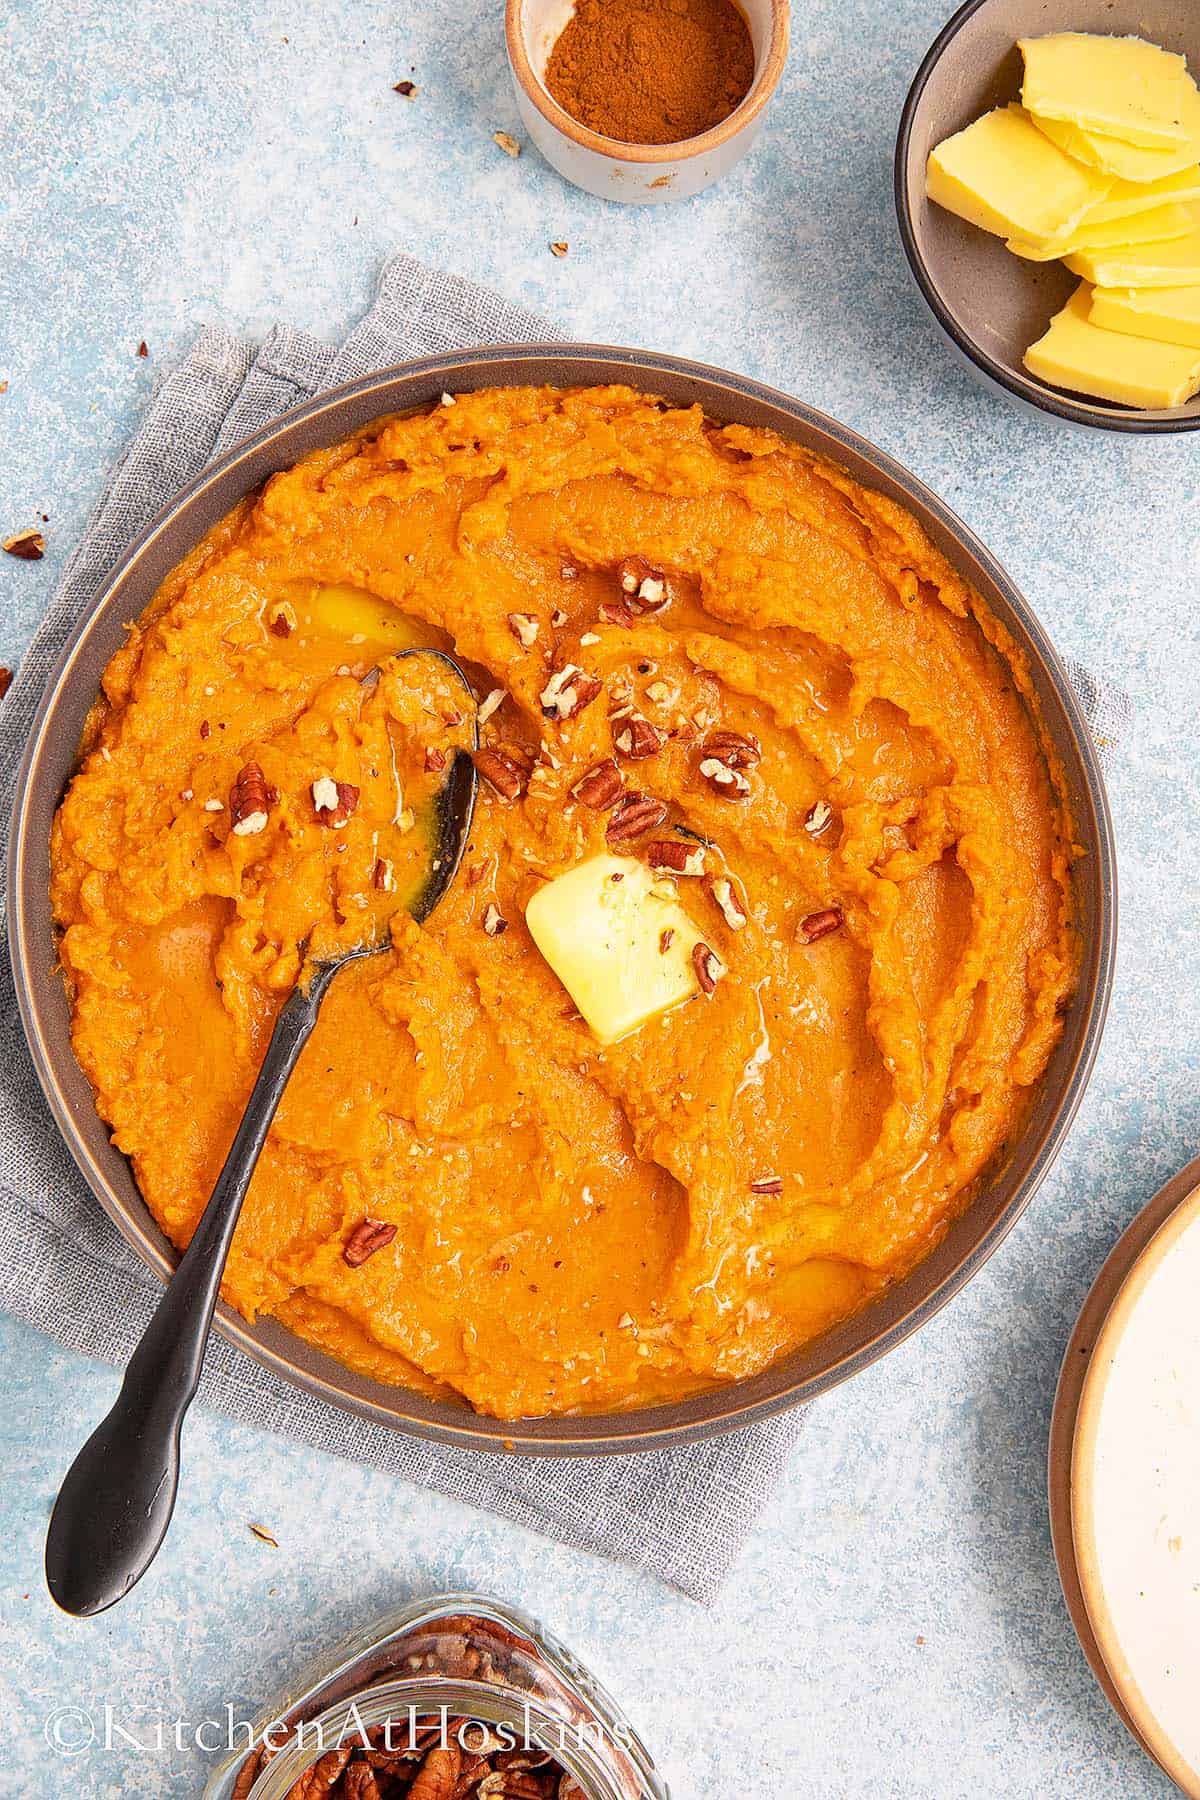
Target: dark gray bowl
x,y
51,756
991,304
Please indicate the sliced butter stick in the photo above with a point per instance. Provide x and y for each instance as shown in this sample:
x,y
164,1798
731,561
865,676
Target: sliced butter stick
x,y
1128,198
1131,371
1169,315
1121,86
1005,176
1158,225
1129,162
1172,264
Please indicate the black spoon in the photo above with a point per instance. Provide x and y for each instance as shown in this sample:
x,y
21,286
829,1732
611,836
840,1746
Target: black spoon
x,y
115,1505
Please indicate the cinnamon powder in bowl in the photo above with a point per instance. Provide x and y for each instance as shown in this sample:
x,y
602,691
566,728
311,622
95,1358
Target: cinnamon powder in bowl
x,y
645,72
645,100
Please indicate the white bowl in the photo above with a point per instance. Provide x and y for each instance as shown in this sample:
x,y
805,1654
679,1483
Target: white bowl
x,y
640,174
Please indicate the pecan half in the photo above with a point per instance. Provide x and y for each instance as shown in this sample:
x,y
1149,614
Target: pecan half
x,y
708,966
438,1775
675,857
731,784
28,546
359,1782
600,788
644,586
568,691
333,801
249,801
638,738
725,896
733,749
508,774
367,1237
819,924
635,816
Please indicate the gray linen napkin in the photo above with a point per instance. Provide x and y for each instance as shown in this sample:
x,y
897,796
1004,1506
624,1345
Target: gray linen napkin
x,y
681,1514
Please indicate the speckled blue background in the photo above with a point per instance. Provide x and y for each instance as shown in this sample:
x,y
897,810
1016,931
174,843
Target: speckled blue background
x,y
896,1626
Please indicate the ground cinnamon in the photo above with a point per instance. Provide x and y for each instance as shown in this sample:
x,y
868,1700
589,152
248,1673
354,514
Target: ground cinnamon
x,y
652,71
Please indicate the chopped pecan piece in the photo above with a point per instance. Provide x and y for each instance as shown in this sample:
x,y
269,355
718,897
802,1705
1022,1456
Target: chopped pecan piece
x,y
383,876
283,621
568,570
568,691
819,924
28,546
730,783
435,760
249,801
524,628
494,922
634,817
489,704
722,891
666,939
333,801
638,738
673,856
508,774
708,966
367,1237
767,1184
614,613
644,586
818,817
600,788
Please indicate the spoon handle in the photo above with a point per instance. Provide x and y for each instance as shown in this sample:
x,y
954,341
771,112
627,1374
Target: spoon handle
x,y
115,1504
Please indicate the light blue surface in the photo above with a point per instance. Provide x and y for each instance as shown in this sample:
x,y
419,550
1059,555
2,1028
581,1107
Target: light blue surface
x,y
896,1626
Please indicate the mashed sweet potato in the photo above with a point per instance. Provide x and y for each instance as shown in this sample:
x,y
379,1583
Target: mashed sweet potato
x,y
575,1227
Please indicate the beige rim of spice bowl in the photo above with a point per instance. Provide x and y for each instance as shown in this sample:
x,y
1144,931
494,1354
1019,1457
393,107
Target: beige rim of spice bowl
x,y
641,173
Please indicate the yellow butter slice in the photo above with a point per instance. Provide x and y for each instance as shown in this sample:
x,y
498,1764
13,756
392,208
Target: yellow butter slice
x,y
601,928
1129,198
1004,175
1157,226
1129,162
1169,315
1173,264
1111,365
1121,86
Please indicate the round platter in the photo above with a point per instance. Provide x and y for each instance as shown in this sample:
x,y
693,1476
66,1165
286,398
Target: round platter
x,y
1125,1431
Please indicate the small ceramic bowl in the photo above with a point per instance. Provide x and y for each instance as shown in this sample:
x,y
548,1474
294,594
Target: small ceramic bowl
x,y
640,174
1124,1468
991,304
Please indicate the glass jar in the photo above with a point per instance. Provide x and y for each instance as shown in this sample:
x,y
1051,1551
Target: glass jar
x,y
458,1656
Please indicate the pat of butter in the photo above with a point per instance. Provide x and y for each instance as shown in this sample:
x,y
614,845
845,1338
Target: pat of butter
x,y
1130,162
1128,198
1005,175
601,928
1158,225
1170,315
1131,371
1172,264
1121,86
